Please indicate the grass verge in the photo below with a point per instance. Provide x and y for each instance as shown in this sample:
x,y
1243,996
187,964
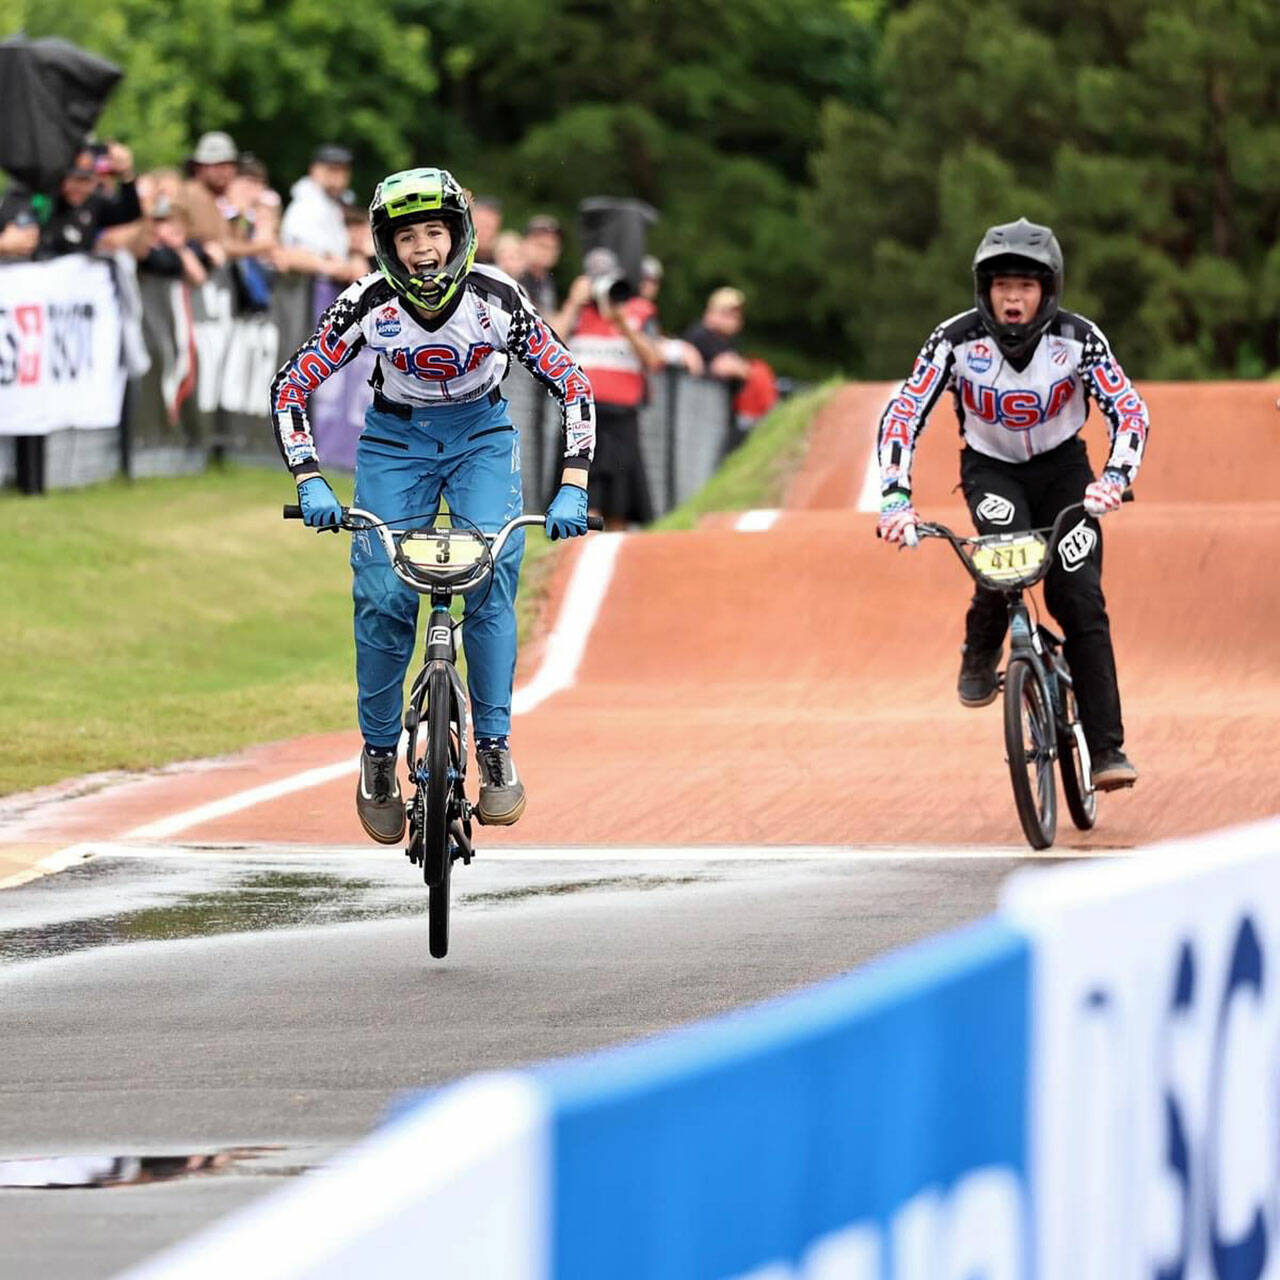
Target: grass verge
x,y
171,619
756,473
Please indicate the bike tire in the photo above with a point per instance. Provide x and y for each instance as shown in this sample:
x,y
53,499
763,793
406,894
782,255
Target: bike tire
x,y
435,832
1029,732
1081,798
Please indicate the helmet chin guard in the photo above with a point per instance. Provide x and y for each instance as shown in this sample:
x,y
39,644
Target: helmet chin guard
x,y
423,195
1019,248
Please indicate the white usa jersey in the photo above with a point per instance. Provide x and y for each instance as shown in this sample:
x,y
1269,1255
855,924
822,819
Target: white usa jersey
x,y
1009,413
459,356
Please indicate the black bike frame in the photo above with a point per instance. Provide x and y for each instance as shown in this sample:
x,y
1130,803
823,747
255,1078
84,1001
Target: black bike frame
x,y
441,650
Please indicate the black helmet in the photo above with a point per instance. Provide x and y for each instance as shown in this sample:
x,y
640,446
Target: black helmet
x,y
1018,249
421,195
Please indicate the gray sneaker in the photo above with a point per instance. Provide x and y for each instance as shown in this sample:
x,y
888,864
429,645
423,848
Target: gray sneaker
x,y
502,796
378,800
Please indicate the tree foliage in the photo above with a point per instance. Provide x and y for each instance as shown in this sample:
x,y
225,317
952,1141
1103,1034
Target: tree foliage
x,y
1139,130
836,159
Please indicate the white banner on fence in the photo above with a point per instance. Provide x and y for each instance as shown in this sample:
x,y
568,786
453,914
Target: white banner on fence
x,y
59,346
1156,1085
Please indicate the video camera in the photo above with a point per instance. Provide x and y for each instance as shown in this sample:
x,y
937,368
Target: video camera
x,y
614,236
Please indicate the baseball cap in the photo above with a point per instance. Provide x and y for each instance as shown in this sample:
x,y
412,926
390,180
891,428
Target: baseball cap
x,y
726,297
650,267
542,222
332,153
215,148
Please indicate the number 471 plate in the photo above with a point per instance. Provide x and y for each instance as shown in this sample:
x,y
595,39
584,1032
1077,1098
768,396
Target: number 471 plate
x,y
1009,556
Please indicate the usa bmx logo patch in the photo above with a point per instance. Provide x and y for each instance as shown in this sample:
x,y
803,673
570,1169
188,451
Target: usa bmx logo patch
x,y
387,323
995,509
979,357
1075,547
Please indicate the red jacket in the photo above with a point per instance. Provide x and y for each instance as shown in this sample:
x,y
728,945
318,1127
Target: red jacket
x,y
612,367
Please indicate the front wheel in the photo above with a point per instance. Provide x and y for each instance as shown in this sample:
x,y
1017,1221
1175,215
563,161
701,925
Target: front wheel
x,y
442,771
1029,736
1073,764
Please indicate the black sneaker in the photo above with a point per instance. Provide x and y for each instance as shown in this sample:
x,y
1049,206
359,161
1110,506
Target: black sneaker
x,y
1112,769
978,685
378,800
502,797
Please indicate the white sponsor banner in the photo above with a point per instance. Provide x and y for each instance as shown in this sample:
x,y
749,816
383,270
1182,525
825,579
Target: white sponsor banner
x,y
59,346
455,1189
1156,1061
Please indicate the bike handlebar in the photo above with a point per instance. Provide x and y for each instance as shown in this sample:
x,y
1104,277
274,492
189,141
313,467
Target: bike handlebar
x,y
356,519
928,529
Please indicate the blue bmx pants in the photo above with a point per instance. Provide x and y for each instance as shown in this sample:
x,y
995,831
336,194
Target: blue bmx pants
x,y
470,455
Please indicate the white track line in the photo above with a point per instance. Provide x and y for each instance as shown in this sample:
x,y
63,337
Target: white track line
x,y
568,639
757,521
58,861
566,644
532,855
163,828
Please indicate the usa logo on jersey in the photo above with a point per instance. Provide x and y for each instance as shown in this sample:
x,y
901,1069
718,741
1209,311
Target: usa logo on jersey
x,y
979,358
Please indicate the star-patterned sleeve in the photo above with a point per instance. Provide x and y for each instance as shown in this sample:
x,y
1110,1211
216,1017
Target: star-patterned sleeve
x,y
1128,421
336,340
534,343
905,415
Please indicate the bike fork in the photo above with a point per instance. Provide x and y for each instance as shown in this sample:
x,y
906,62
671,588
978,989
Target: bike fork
x,y
1026,645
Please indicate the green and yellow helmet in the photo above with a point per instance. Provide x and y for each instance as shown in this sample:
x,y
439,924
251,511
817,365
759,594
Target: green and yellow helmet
x,y
423,195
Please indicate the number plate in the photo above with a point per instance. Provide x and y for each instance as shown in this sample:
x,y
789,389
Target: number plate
x,y
1008,557
443,548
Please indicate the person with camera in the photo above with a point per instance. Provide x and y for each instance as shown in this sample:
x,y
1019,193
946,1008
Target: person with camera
x,y
19,230
613,334
82,209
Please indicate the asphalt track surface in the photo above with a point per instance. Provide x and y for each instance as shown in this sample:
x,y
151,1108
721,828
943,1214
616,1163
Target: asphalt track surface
x,y
755,716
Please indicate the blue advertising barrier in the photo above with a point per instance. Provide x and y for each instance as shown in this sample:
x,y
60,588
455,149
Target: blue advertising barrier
x,y
840,1120
873,1127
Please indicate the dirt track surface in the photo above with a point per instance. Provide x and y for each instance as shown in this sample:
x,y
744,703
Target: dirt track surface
x,y
797,685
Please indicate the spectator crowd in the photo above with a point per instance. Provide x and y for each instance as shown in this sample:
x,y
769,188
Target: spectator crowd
x,y
221,210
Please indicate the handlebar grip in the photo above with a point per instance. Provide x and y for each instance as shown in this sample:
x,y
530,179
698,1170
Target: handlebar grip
x,y
1127,496
292,512
596,523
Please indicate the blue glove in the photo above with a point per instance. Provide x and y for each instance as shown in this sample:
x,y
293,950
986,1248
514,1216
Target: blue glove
x,y
320,506
567,514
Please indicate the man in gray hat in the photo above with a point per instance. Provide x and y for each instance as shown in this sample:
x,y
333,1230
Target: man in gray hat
x,y
213,166
314,231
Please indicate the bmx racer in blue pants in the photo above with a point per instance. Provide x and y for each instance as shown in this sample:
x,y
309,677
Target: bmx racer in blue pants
x,y
444,330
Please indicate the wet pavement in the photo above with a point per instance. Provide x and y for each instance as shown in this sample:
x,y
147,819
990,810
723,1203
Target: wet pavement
x,y
113,900
181,1005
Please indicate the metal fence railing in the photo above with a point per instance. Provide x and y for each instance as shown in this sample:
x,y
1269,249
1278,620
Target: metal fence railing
x,y
205,392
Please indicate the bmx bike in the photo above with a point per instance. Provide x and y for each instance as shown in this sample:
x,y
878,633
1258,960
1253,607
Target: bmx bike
x,y
1041,723
440,560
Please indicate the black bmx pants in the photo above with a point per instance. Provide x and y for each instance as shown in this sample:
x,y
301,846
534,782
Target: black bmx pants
x,y
1005,497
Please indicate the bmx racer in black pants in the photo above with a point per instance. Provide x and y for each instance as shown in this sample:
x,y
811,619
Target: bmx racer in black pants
x,y
1021,371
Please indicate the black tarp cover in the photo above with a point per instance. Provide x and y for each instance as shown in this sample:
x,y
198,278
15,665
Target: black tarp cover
x,y
51,94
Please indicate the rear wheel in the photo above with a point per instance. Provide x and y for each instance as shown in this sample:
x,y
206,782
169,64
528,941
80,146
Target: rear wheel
x,y
1029,737
1077,785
